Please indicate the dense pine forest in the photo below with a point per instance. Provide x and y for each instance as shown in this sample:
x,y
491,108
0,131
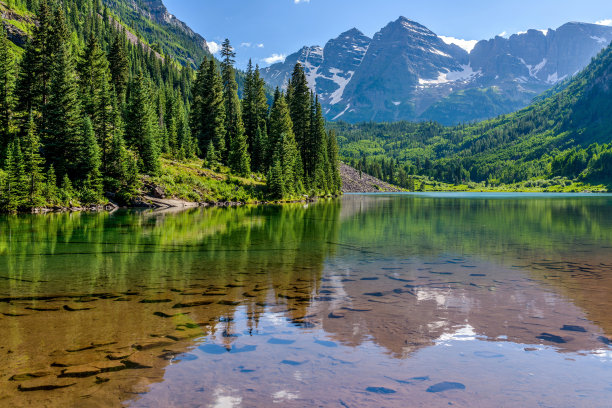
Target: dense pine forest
x,y
87,114
563,139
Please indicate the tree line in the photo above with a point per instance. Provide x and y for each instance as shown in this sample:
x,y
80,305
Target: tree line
x,y
287,141
85,112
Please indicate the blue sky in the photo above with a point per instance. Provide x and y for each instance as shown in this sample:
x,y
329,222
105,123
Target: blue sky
x,y
265,29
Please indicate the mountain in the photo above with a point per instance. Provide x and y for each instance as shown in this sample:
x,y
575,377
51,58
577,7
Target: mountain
x,y
328,69
166,34
407,72
563,137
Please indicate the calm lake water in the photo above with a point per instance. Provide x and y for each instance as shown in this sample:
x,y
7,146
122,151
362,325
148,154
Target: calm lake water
x,y
367,301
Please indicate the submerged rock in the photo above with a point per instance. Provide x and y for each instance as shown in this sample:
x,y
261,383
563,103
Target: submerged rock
x,y
76,309
446,386
275,340
293,362
213,349
569,327
147,345
553,338
192,304
29,376
605,340
381,390
139,360
326,343
45,384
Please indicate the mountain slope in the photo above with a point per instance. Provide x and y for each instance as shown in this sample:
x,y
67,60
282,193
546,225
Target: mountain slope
x,y
564,135
166,34
407,72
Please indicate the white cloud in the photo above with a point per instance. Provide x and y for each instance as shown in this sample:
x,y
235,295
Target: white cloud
x,y
301,1
274,58
606,22
245,44
260,45
467,45
502,34
213,47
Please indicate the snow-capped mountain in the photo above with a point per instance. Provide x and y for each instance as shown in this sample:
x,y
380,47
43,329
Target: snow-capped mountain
x,y
408,72
328,69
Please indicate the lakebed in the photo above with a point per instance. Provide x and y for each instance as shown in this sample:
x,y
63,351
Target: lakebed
x,y
473,300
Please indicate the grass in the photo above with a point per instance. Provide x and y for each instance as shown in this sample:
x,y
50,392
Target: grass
x,y
190,181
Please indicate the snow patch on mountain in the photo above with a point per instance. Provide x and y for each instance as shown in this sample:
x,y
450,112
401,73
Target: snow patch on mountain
x,y
466,74
341,81
343,112
554,78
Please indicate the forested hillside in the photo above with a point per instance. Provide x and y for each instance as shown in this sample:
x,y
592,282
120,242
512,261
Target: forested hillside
x,y
565,137
88,113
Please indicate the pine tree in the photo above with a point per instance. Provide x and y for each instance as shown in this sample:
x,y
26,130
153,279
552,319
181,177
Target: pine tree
x,y
119,66
6,91
208,110
34,82
276,185
259,148
50,191
299,100
32,164
122,171
211,159
140,126
14,191
332,152
254,113
239,160
318,136
89,157
62,117
196,118
282,146
92,68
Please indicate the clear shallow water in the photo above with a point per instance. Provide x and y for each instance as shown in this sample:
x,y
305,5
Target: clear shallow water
x,y
371,300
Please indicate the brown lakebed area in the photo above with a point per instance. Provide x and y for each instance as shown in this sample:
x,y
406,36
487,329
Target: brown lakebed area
x,y
392,300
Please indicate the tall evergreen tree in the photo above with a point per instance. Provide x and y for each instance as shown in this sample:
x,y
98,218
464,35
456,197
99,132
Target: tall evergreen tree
x,y
318,138
119,65
6,91
282,146
34,81
14,189
32,165
254,113
208,109
300,104
332,152
236,141
90,162
140,126
62,114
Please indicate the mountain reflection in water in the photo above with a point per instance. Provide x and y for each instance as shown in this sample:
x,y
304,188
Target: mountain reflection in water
x,y
363,301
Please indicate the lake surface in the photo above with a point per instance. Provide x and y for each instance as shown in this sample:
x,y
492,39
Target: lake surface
x,y
420,300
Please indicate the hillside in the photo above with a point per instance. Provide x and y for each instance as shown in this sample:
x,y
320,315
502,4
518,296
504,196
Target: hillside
x,y
95,106
566,134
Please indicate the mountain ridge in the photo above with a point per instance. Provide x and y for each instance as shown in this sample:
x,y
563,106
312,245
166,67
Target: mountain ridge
x,y
407,72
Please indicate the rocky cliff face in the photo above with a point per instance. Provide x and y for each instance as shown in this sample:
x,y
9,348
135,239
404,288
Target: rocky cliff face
x,y
157,11
408,72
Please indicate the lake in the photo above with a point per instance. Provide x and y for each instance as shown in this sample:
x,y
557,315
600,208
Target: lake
x,y
420,300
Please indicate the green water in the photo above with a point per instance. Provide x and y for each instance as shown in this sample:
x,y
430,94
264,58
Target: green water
x,y
369,300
